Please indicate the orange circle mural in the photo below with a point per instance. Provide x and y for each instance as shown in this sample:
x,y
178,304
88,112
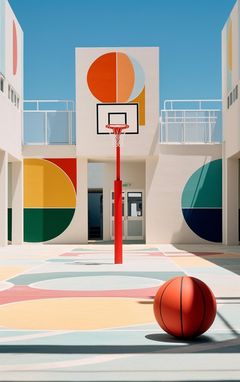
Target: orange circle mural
x,y
111,77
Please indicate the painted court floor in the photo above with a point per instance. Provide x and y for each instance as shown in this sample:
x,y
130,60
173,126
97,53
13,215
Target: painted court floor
x,y
67,313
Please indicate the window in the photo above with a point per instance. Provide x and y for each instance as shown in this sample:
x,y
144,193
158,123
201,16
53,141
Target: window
x,y
233,96
12,95
2,84
134,204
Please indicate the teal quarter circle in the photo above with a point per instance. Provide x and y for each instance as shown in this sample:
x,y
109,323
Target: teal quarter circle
x,y
204,188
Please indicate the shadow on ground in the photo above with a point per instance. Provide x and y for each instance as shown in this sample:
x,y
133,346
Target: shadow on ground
x,y
203,344
229,262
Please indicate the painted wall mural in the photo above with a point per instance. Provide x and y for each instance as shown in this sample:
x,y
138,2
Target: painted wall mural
x,y
116,77
10,46
202,201
49,197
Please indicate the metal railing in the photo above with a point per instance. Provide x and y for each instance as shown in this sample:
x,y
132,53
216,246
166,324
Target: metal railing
x,y
191,121
49,122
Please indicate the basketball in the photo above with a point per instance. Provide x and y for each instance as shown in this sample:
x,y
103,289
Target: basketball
x,y
185,307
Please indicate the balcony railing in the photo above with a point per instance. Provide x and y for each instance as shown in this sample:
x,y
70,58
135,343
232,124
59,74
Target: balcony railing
x,y
49,123
191,121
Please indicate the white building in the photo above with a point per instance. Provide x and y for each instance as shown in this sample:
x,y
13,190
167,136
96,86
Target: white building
x,y
11,100
231,119
171,170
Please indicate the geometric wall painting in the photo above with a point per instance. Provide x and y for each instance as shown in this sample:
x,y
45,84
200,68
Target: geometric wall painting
x,y
202,201
115,77
49,197
140,100
69,166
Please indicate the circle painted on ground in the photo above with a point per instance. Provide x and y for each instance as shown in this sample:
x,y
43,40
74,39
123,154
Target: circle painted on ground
x,y
76,313
100,283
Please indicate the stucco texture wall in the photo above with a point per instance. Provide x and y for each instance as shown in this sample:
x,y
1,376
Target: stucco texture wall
x,y
184,194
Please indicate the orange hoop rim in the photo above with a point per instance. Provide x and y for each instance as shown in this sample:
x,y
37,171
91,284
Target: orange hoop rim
x,y
117,128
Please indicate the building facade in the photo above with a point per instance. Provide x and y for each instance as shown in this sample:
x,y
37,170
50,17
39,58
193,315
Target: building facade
x,y
171,182
180,181
11,112
231,119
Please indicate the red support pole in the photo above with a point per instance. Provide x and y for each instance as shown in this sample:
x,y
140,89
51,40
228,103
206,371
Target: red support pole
x,y
118,162
118,211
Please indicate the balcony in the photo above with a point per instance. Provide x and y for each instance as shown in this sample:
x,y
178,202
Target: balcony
x,y
191,121
49,123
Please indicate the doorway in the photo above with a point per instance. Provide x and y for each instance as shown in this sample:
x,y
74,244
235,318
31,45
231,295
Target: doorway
x,y
95,214
132,215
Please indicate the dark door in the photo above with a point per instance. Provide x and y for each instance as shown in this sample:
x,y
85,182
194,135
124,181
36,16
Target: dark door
x,y
95,214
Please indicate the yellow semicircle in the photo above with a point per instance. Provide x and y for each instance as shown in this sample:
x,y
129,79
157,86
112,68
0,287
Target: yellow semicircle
x,y
47,186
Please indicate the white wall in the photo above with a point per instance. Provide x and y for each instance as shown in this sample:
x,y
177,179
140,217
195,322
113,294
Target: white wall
x,y
231,123
230,79
49,151
94,146
10,128
166,176
16,80
11,116
95,175
3,198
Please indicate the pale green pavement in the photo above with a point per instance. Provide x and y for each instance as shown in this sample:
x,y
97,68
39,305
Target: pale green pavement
x,y
125,353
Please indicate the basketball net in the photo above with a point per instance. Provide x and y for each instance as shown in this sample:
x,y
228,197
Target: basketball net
x,y
115,132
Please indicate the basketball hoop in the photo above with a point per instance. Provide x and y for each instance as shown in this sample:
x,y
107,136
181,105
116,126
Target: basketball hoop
x,y
117,130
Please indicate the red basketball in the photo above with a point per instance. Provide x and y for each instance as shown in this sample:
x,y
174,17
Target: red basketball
x,y
185,307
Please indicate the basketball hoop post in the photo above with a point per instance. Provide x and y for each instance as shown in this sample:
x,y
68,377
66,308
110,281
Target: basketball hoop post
x,y
117,130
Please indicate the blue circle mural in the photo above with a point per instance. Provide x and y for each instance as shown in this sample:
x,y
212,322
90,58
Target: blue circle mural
x,y
202,201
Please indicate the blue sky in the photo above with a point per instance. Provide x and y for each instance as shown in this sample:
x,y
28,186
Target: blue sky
x,y
188,33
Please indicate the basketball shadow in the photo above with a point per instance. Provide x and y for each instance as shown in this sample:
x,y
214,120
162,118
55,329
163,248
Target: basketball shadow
x,y
164,337
201,344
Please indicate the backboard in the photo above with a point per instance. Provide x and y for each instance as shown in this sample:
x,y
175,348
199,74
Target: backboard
x,y
117,113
